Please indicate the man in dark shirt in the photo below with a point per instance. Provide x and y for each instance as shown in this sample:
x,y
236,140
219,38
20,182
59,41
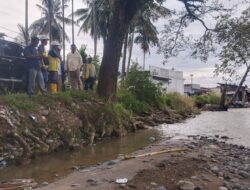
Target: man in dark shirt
x,y
33,61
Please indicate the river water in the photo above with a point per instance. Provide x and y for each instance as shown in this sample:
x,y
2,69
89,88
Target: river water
x,y
235,124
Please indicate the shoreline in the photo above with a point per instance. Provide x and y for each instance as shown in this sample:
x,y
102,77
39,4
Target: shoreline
x,y
211,164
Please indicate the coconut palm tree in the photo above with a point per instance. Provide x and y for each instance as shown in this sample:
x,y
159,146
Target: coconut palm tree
x,y
147,36
51,20
142,25
94,19
23,36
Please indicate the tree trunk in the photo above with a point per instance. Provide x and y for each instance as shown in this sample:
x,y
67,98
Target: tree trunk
x,y
108,75
124,57
123,11
240,85
223,106
130,51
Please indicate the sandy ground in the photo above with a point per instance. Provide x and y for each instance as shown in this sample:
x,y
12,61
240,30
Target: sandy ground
x,y
166,170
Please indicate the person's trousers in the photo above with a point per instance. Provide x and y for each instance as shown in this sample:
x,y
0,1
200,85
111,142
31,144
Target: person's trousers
x,y
75,80
36,76
89,83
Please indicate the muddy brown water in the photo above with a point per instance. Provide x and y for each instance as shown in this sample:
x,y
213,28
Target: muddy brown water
x,y
46,168
235,124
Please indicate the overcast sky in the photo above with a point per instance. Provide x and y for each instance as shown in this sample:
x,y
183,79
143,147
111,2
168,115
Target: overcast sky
x,y
12,13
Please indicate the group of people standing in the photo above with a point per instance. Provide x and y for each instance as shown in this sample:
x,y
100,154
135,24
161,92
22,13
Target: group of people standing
x,y
47,69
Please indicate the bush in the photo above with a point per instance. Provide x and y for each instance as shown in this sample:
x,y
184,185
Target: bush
x,y
130,102
202,100
140,85
182,104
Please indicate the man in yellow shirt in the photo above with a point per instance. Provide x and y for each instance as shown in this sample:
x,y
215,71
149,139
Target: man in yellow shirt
x,y
72,68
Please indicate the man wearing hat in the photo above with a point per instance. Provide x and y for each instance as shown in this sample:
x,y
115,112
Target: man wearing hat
x,y
54,66
44,62
33,62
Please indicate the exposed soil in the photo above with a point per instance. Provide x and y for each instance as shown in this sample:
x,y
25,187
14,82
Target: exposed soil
x,y
67,124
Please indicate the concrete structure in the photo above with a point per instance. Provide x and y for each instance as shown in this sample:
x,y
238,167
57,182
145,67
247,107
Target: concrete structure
x,y
192,89
171,80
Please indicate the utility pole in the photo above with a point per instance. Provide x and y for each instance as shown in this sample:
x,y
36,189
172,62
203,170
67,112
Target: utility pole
x,y
95,28
26,22
50,21
63,38
192,77
73,27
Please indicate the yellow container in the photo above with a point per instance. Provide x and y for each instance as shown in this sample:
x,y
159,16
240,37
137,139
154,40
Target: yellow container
x,y
53,88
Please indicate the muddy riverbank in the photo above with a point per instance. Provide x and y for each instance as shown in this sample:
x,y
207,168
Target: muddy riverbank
x,y
31,127
208,164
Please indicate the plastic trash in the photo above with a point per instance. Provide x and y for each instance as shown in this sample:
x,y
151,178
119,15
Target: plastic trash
x,y
121,181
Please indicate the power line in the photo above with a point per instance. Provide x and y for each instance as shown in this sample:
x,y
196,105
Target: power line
x,y
9,30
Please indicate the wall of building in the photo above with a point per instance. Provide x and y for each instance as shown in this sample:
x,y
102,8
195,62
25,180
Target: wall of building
x,y
172,80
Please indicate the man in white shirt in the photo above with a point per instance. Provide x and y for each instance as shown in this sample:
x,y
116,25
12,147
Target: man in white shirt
x,y
72,68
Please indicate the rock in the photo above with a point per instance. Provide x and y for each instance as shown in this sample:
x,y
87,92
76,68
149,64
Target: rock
x,y
199,188
185,185
153,184
161,188
3,163
223,188
45,183
132,186
152,139
75,185
215,169
123,186
244,174
112,162
161,165
92,182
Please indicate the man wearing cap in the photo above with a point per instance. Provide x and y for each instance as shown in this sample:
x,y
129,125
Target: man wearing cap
x,y
54,66
44,62
73,66
33,61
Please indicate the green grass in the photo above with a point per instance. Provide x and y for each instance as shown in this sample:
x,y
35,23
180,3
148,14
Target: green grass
x,y
24,102
202,100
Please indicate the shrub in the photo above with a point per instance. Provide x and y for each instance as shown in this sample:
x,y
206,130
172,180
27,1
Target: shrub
x,y
202,100
130,102
182,104
140,85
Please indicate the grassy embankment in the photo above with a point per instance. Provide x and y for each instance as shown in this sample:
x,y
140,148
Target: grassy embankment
x,y
42,124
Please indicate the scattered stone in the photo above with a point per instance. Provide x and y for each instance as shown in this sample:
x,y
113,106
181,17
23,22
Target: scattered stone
x,y
132,186
75,185
223,188
215,169
152,139
185,185
244,174
161,165
199,188
123,186
153,184
113,162
45,183
92,182
161,188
